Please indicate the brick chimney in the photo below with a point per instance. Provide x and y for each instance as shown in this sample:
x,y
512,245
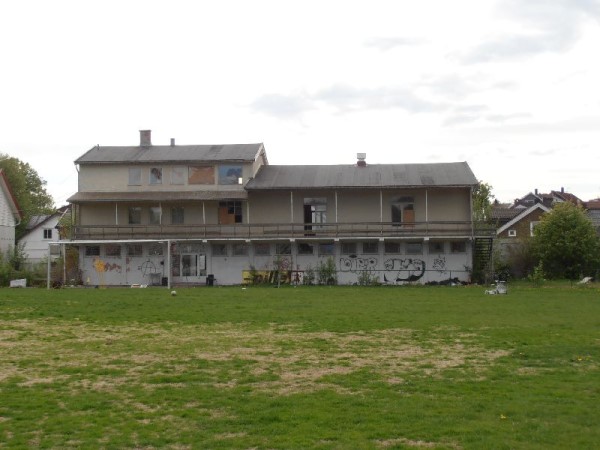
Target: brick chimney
x,y
145,138
361,159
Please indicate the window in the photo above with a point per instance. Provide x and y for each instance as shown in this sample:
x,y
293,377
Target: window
x,y
155,213
370,248
135,250
325,249
513,233
156,175
92,250
348,248
458,247
155,249
262,249
414,248
403,211
284,248
230,212
201,175
54,250
219,249
112,250
436,247
135,176
47,233
177,215
178,175
392,247
306,249
135,215
315,211
239,249
532,226
230,174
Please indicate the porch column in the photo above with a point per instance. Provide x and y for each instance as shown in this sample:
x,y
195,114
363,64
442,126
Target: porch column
x,y
471,212
48,269
292,206
336,207
64,255
203,214
380,205
116,214
248,211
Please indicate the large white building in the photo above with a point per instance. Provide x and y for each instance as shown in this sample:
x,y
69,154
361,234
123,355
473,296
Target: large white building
x,y
173,214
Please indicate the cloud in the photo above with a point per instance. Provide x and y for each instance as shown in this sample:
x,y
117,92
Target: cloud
x,y
282,106
389,43
345,99
549,26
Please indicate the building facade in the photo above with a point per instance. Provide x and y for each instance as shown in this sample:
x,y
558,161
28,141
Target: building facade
x,y
181,214
10,215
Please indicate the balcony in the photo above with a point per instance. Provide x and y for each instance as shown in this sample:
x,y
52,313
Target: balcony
x,y
390,230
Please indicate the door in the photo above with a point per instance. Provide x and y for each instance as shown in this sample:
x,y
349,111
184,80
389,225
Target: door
x,y
189,265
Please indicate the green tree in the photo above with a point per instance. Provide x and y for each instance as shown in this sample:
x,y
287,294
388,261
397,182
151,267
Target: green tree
x,y
29,189
566,243
482,202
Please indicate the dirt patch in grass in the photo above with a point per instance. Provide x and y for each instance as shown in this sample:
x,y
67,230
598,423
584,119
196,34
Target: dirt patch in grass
x,y
278,359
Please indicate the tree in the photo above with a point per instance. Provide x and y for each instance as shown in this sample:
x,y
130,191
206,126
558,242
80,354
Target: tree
x,y
29,189
566,243
482,202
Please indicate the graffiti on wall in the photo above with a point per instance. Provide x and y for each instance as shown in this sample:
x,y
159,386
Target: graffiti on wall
x,y
266,277
354,263
404,270
439,264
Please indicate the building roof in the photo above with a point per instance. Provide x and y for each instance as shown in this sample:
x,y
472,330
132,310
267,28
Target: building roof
x,y
522,215
36,220
171,153
371,176
155,197
503,213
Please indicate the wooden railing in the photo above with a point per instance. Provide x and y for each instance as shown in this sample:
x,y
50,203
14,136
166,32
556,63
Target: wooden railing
x,y
280,230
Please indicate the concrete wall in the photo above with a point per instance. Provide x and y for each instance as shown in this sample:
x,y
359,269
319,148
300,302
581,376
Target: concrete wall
x,y
399,267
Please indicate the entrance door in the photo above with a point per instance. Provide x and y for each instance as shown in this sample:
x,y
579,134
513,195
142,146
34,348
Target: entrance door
x,y
189,265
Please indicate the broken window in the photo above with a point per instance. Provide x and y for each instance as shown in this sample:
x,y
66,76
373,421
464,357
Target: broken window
x,y
326,249
414,248
458,247
239,249
219,249
156,175
284,248
155,249
348,248
392,247
436,247
230,174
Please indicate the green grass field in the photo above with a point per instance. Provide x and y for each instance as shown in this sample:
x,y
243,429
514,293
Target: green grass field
x,y
306,367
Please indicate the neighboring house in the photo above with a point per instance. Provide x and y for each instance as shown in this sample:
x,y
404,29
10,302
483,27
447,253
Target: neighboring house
x,y
592,208
522,224
39,233
10,215
548,200
194,214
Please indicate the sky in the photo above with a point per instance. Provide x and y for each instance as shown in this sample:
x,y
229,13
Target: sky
x,y
510,86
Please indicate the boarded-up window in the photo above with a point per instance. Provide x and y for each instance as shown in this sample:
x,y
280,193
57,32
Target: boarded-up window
x,y
135,176
201,175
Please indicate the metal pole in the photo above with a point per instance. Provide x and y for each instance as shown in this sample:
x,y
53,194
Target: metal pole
x,y
64,254
169,262
48,273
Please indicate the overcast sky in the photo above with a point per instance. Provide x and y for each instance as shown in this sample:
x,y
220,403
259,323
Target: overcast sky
x,y
510,86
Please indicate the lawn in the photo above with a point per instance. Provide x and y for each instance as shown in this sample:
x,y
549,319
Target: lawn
x,y
306,367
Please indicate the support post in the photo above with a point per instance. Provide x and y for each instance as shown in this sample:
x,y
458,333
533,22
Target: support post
x,y
169,262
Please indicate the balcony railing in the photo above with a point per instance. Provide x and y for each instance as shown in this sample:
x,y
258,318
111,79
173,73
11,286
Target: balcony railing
x,y
279,230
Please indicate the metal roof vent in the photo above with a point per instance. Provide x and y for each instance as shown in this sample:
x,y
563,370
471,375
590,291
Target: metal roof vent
x,y
361,159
